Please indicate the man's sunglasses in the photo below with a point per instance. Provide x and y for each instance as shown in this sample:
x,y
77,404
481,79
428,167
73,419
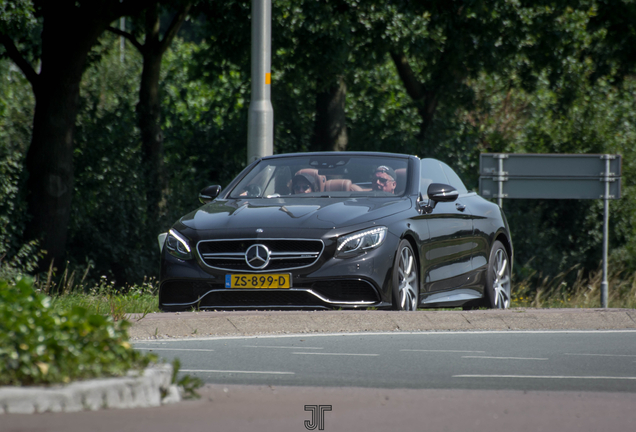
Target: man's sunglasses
x,y
301,187
381,179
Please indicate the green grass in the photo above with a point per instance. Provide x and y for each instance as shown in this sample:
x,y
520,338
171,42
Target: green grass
x,y
105,299
584,292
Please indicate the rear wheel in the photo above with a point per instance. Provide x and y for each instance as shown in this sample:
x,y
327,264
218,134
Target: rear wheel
x,y
406,288
498,281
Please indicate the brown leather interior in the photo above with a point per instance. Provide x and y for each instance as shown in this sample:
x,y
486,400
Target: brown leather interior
x,y
338,185
313,172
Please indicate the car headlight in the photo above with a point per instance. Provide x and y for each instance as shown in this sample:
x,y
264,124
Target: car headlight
x,y
178,245
361,241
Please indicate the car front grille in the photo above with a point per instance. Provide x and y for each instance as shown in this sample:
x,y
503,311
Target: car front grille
x,y
282,254
259,299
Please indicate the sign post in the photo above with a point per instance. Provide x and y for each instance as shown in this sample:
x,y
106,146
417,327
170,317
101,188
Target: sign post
x,y
554,176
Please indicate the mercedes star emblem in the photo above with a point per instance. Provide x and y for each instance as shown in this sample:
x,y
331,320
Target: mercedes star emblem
x,y
257,256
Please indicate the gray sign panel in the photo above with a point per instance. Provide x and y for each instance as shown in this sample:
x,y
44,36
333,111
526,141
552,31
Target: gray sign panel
x,y
549,165
549,188
549,176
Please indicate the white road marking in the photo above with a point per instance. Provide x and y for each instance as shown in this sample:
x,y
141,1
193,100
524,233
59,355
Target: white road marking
x,y
547,377
601,355
397,333
175,349
441,351
504,358
283,347
237,371
337,354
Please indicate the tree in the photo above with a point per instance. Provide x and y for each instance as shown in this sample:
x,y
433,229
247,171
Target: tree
x,y
69,28
614,52
461,39
317,46
149,106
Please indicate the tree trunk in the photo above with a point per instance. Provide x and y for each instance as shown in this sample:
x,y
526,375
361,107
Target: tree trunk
x,y
149,106
49,160
425,98
149,114
330,127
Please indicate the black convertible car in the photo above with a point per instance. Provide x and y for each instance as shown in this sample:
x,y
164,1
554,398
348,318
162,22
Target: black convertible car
x,y
338,230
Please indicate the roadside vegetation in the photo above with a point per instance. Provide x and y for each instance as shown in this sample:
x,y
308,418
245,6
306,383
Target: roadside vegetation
x,y
582,292
72,336
106,299
40,344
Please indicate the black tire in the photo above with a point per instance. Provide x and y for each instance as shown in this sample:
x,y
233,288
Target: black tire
x,y
406,288
498,278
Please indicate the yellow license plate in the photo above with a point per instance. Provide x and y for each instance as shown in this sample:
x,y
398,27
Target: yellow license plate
x,y
278,280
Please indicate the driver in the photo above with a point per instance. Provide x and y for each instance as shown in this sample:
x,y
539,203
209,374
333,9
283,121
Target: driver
x,y
303,183
383,180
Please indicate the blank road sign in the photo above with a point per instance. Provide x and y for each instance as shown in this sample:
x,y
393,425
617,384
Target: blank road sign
x,y
549,176
549,165
549,188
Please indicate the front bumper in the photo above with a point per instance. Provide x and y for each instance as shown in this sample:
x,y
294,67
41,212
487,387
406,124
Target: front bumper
x,y
352,283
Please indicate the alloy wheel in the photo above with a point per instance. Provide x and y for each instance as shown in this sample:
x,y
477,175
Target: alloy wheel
x,y
501,281
407,280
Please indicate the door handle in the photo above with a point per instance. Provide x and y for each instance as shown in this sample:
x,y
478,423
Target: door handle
x,y
461,207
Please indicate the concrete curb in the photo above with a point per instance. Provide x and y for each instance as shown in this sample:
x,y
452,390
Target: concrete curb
x,y
251,323
152,387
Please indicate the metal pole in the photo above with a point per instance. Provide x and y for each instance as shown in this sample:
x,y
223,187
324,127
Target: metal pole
x,y
260,122
500,190
606,196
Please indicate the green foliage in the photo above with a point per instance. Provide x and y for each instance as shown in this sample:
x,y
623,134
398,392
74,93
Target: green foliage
x,y
16,110
380,116
16,15
109,207
188,383
106,299
205,118
39,345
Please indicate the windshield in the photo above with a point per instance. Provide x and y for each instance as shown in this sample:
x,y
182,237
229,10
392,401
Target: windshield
x,y
324,176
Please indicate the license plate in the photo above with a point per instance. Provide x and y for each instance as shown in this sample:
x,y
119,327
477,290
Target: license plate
x,y
278,280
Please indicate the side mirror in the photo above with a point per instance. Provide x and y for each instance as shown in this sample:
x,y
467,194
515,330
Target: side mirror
x,y
437,192
208,193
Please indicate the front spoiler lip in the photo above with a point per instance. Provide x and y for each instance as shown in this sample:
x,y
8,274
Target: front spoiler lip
x,y
309,291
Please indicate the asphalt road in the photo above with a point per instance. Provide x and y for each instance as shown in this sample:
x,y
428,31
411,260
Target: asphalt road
x,y
515,370
490,360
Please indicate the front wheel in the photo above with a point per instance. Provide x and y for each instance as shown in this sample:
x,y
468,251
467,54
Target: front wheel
x,y
498,281
406,288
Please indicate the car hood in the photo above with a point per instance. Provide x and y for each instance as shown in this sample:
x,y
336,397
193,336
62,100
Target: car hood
x,y
298,213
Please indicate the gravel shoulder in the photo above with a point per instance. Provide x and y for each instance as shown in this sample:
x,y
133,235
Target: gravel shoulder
x,y
238,323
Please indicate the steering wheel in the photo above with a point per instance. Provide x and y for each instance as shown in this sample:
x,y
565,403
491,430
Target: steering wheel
x,y
253,190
